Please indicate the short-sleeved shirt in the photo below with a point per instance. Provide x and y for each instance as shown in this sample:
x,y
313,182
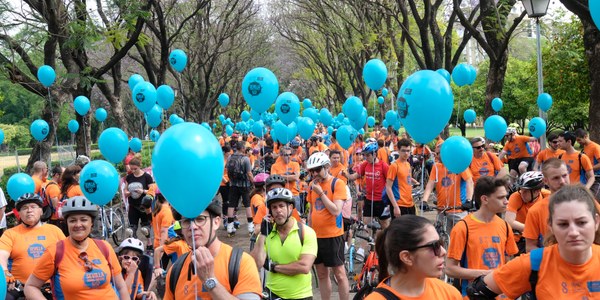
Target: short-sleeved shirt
x,y
592,150
487,165
175,249
26,246
557,279
291,168
383,154
52,191
577,166
434,289
73,282
320,147
288,251
257,205
136,287
163,219
142,182
322,221
374,176
450,188
547,154
38,184
3,203
399,174
337,172
74,190
247,168
422,150
487,245
343,153
248,279
518,147
520,208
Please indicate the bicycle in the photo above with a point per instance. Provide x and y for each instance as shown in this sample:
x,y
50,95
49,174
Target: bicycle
x,y
440,225
419,169
114,224
368,278
353,257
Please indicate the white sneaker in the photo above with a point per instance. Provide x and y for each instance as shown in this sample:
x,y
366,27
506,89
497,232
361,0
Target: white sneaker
x,y
250,228
230,228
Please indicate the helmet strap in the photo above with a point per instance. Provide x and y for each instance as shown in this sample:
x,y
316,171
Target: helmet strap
x,y
211,237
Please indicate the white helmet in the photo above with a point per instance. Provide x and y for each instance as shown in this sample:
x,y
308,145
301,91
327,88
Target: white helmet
x,y
318,159
131,243
511,130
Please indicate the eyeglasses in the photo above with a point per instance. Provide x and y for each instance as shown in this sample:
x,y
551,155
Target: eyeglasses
x,y
127,257
479,147
436,246
286,154
405,150
316,170
87,264
554,142
199,221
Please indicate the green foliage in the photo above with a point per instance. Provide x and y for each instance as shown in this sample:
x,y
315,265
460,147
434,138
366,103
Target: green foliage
x,y
16,135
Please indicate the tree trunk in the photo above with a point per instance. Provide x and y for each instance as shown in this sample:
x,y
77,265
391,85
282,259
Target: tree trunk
x,y
591,41
495,82
41,150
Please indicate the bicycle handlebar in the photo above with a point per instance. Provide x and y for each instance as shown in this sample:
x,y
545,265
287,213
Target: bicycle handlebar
x,y
364,237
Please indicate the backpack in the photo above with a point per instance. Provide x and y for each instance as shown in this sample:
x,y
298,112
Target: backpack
x,y
233,268
582,177
235,168
385,293
491,158
535,258
47,206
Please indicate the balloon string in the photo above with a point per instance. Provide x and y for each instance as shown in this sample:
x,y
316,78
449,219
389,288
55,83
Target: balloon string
x,y
54,130
194,259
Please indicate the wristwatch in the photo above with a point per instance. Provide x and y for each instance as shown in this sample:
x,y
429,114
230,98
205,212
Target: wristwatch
x,y
209,284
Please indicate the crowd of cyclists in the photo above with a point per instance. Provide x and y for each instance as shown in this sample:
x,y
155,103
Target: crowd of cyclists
x,y
529,230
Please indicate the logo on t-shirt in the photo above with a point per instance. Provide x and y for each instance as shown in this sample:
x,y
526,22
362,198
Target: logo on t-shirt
x,y
491,258
517,149
41,237
446,181
593,286
94,278
484,171
35,250
319,203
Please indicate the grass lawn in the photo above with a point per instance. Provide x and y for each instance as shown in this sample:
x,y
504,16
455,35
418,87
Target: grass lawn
x,y
471,132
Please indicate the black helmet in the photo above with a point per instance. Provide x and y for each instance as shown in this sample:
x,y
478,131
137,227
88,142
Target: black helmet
x,y
275,178
279,194
28,198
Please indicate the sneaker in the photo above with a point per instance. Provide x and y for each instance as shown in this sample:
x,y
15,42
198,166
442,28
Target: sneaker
x,y
236,224
250,227
230,228
225,222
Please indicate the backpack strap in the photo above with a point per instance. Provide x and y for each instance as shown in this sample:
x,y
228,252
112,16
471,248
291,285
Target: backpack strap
x,y
106,252
385,293
301,232
134,287
234,266
333,182
535,258
457,283
58,256
176,271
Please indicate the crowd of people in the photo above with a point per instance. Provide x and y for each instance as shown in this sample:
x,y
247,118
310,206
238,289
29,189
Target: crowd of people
x,y
529,229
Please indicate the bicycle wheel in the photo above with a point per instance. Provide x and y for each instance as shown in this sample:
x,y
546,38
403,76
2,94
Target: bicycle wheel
x,y
118,226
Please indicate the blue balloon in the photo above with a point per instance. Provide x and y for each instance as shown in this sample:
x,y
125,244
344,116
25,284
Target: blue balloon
x,y
221,118
384,123
312,113
361,131
223,100
346,121
375,74
144,96
345,136
174,117
340,117
177,120
391,116
306,103
154,135
73,126
380,100
461,74
260,88
101,114
325,116
352,108
82,105
258,128
384,92
330,129
281,132
495,128
229,130
472,75
1,141
165,96
287,107
178,60
425,104
255,115
456,154
113,144
154,116
497,104
245,115
46,75
199,149
39,129
2,284
595,11
469,116
19,184
135,144
360,122
134,80
206,126
544,101
99,181
397,124
537,127
306,127
444,74
371,121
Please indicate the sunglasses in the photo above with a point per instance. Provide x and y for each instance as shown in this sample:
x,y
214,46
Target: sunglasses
x,y
87,264
127,257
436,246
316,170
286,154
479,147
554,142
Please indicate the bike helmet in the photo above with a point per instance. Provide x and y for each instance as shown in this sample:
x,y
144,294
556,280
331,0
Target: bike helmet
x,y
82,160
131,243
79,204
317,159
531,180
477,139
371,140
275,178
294,143
370,148
28,198
279,194
511,130
260,178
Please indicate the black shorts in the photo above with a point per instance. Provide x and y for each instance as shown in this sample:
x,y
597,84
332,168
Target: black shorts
x,y
513,164
408,210
378,210
331,251
235,192
347,224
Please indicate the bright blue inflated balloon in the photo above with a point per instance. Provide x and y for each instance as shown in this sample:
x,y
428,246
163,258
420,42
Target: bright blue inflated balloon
x,y
444,74
345,136
380,100
177,120
469,116
134,80
340,117
206,126
99,181
375,74
46,75
223,100
258,128
352,108
497,104
594,6
229,130
397,124
73,126
154,135
135,144
245,115
200,153
330,129
472,74
361,121
537,127
424,105
287,107
173,118
178,60
154,116
371,121
544,102
39,129
113,144
456,154
461,74
306,127
144,96
391,116
1,141
82,105
312,113
384,123
306,103
325,116
255,115
101,114
495,128
384,92
165,96
260,88
2,284
19,184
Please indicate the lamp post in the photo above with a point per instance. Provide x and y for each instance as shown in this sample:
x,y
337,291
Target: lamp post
x,y
537,9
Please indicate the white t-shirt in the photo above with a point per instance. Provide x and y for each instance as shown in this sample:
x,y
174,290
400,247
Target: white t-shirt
x,y
3,203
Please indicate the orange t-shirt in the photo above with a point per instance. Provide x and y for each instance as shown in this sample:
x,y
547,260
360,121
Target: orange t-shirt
x,y
322,221
422,150
337,172
74,190
518,148
574,167
176,249
488,165
291,168
383,154
225,178
592,150
248,279
38,184
557,279
26,246
53,191
399,173
434,289
257,203
297,155
163,219
516,204
72,279
320,147
547,154
343,152
139,288
450,188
